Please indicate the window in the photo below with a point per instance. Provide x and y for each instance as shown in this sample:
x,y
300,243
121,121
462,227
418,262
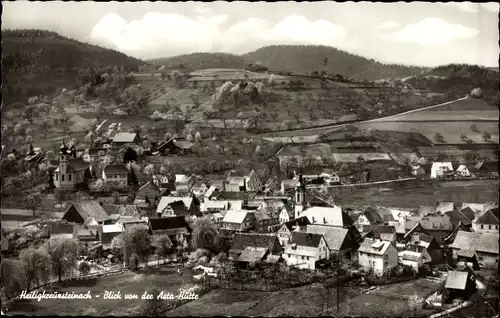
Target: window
x,y
302,257
57,177
482,226
69,177
289,256
308,258
489,227
62,177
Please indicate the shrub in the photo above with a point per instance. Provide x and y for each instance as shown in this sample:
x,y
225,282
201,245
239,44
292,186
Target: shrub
x,y
84,268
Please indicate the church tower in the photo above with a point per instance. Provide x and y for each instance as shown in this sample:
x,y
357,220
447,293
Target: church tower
x,y
299,197
63,158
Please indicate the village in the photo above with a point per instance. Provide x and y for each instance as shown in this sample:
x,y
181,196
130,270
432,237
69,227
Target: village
x,y
220,228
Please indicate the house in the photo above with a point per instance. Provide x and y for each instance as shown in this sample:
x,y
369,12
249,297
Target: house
x,y
443,207
330,178
426,210
72,170
486,222
286,213
87,233
79,212
214,206
369,216
251,256
463,217
110,231
199,189
235,184
287,185
252,182
305,250
212,192
467,259
459,285
437,225
485,245
217,217
190,205
266,220
95,154
123,139
415,258
418,171
238,220
377,255
148,193
285,231
383,232
462,171
271,186
175,146
430,244
115,174
175,227
441,169
340,241
333,216
241,241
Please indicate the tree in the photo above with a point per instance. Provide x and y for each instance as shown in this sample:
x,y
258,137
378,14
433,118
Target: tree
x,y
162,244
486,136
476,92
463,137
438,137
415,303
12,274
149,169
154,307
116,197
205,235
45,126
63,254
137,243
130,155
473,128
35,265
33,201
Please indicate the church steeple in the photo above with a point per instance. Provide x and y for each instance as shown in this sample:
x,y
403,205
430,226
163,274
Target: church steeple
x,y
300,191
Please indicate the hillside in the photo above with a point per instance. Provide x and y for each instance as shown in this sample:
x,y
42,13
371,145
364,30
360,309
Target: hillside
x,y
39,62
457,80
309,58
197,61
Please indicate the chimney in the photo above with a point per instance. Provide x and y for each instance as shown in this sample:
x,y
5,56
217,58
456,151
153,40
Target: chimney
x,y
324,220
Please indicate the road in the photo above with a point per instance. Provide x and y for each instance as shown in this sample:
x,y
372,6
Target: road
x,y
328,128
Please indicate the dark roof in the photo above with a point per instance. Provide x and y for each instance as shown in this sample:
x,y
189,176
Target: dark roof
x,y
302,221
76,164
380,229
175,222
115,169
372,215
488,217
244,240
92,209
306,239
468,213
179,208
235,195
95,151
457,216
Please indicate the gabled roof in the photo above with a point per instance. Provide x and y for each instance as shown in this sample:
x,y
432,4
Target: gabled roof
x,y
165,201
457,280
457,216
333,216
76,164
479,242
91,209
236,180
301,222
289,183
380,229
261,216
112,228
235,216
175,222
244,240
376,247
334,236
411,256
373,217
426,210
489,217
306,239
468,213
125,137
116,169
252,254
235,195
210,191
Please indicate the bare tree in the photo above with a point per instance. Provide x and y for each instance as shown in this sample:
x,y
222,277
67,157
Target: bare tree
x,y
486,136
155,306
63,253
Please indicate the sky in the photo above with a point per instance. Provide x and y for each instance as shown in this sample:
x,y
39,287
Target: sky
x,y
416,33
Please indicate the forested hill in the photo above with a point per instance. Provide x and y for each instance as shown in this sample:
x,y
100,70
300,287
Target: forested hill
x,y
38,62
197,61
309,58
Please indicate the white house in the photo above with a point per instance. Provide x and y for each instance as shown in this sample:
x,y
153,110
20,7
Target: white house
x,y
439,169
117,174
415,259
332,178
377,255
305,249
486,222
463,171
286,214
333,216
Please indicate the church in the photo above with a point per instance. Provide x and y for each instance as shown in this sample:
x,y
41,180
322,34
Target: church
x,y
72,169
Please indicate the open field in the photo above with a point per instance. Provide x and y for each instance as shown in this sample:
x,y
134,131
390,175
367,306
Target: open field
x,y
163,278
446,115
422,287
414,196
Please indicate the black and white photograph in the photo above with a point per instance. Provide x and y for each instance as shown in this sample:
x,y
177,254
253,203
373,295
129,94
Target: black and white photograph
x,y
252,159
